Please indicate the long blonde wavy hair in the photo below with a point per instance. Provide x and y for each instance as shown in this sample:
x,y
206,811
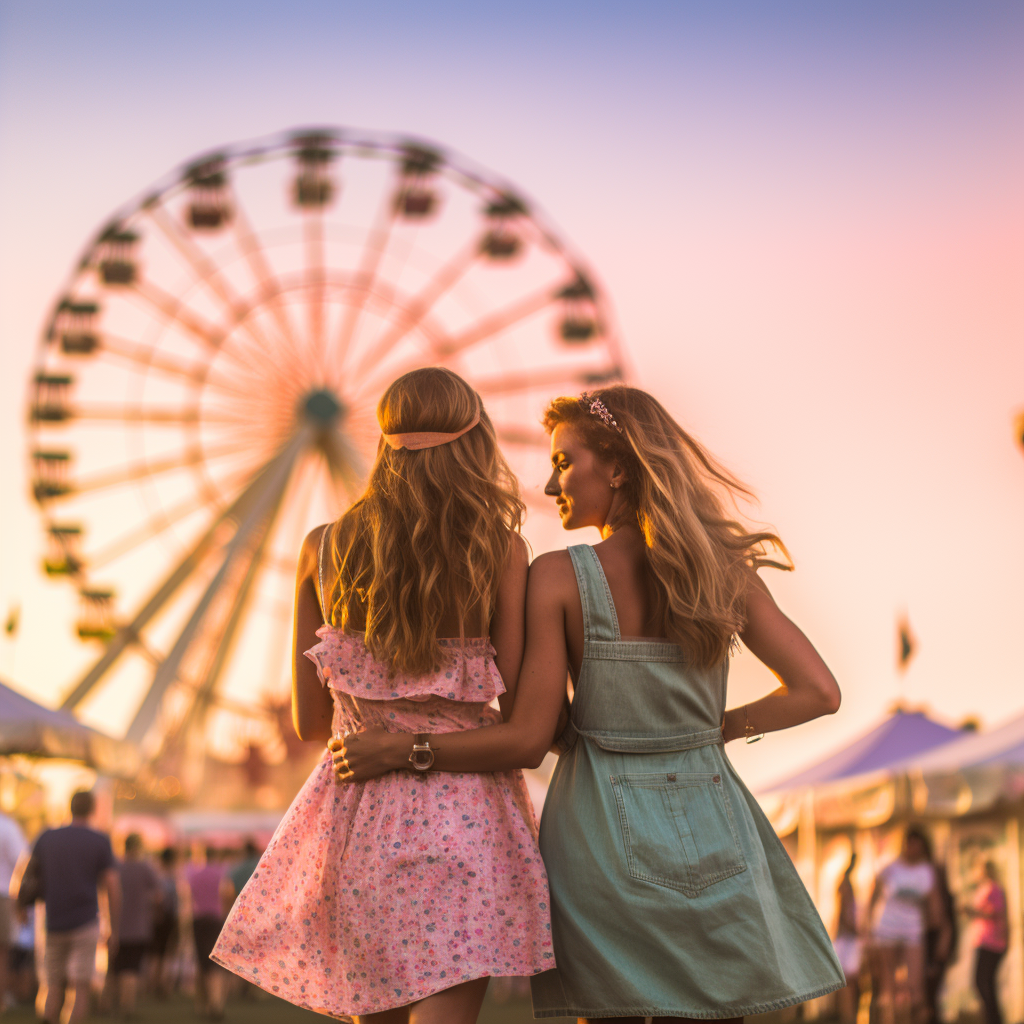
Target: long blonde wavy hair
x,y
432,529
700,557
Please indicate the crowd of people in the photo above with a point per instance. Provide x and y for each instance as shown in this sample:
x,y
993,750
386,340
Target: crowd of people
x,y
161,914
908,936
901,945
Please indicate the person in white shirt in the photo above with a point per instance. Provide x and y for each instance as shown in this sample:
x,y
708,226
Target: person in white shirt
x,y
905,901
12,848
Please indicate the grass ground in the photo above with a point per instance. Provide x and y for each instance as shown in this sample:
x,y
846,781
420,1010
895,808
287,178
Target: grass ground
x,y
268,1010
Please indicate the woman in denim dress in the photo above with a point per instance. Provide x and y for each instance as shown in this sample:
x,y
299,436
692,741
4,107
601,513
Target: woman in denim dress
x,y
671,896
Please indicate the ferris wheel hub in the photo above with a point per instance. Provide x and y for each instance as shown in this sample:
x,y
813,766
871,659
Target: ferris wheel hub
x,y
322,408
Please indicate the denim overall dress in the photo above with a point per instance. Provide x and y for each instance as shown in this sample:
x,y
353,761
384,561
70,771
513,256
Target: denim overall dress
x,y
670,892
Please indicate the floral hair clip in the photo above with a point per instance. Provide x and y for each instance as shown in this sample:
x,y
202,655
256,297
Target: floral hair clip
x,y
596,407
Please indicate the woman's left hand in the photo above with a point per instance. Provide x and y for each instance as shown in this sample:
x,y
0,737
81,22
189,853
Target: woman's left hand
x,y
359,756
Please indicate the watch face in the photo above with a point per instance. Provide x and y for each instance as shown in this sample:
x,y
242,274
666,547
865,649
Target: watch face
x,y
422,758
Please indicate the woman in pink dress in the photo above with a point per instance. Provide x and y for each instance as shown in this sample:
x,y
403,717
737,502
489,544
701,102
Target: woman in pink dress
x,y
394,900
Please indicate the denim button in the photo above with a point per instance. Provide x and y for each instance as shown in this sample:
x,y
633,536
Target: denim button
x,y
717,778
672,777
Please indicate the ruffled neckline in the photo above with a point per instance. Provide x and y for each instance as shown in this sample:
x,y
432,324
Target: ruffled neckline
x,y
467,671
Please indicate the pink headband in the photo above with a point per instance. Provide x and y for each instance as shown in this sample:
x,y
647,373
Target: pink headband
x,y
427,438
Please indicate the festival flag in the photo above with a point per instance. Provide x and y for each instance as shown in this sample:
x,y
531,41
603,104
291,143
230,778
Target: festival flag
x,y
907,644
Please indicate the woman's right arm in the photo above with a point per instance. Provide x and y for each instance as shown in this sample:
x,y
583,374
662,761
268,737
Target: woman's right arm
x,y
526,737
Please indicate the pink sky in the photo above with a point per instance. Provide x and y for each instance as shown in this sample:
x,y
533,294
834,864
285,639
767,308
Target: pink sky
x,y
811,225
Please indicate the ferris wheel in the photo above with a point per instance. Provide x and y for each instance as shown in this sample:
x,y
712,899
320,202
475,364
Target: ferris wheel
x,y
206,385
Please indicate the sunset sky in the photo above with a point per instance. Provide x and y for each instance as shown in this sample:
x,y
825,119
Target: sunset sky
x,y
809,219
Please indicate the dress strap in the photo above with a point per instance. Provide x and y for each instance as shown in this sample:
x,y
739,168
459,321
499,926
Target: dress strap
x,y
320,573
599,619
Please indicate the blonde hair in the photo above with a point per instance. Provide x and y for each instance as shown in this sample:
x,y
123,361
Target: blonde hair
x,y
432,529
699,556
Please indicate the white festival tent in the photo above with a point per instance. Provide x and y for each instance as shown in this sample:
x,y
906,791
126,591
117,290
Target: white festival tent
x,y
32,730
973,773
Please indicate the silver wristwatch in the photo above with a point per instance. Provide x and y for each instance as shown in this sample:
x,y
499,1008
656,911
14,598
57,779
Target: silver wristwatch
x,y
422,757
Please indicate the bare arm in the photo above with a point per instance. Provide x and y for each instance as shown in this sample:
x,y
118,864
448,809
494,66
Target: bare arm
x,y
508,623
312,707
523,740
111,883
808,689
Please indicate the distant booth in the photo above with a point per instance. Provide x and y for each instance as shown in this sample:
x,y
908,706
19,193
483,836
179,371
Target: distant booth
x,y
965,788
44,751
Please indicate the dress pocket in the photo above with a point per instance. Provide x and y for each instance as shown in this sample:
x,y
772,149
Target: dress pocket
x,y
678,829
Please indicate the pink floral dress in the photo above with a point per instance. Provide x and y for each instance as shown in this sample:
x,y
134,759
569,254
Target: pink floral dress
x,y
374,895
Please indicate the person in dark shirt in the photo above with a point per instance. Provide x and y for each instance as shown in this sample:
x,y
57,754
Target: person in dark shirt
x,y
165,925
242,871
75,862
140,890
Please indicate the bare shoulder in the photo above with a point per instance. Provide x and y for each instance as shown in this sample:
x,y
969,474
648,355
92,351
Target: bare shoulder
x,y
310,547
553,569
758,597
519,551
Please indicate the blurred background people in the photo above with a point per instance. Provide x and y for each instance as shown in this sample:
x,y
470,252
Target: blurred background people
x,y
904,902
848,945
12,848
205,883
140,890
989,936
166,934
940,942
235,879
21,978
75,862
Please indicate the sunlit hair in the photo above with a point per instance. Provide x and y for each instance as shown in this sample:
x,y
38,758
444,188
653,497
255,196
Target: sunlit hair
x,y
700,557
432,529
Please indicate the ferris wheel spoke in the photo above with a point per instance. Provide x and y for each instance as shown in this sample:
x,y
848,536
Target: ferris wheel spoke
x,y
266,479
225,635
302,490
128,351
263,274
545,377
207,273
141,414
316,276
489,326
345,465
413,312
373,253
176,311
252,528
142,470
444,349
156,526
